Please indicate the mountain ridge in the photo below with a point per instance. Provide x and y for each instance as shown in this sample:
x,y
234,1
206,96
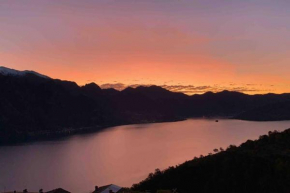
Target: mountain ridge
x,y
31,105
12,72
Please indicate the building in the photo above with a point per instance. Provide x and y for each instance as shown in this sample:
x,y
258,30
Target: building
x,y
112,188
58,190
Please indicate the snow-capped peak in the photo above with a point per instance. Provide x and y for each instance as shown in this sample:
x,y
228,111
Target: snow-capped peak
x,y
11,72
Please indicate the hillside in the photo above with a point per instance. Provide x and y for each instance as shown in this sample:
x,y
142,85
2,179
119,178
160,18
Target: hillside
x,y
34,106
272,112
255,166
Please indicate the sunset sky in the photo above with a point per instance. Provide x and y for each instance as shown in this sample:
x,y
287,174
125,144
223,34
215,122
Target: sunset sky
x,y
182,45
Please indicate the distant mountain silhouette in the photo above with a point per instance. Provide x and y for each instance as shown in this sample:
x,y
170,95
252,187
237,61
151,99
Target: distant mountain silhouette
x,y
272,112
36,106
12,72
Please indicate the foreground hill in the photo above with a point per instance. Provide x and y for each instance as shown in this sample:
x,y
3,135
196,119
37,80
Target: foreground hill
x,y
255,166
34,106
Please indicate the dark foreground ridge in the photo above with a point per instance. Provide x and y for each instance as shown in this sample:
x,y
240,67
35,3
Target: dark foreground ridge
x,y
34,106
255,166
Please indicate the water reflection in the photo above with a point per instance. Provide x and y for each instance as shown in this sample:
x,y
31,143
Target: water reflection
x,y
122,155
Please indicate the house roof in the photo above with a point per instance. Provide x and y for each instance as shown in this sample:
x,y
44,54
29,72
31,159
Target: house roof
x,y
58,190
107,188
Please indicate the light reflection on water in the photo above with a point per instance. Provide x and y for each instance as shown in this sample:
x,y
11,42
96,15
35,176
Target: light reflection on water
x,y
121,155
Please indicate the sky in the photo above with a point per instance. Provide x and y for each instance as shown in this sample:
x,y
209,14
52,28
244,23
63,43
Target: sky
x,y
185,46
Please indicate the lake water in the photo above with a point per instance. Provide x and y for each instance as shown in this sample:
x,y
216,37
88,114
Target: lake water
x,y
121,155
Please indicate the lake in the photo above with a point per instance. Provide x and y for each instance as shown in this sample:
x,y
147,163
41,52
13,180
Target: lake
x,y
121,155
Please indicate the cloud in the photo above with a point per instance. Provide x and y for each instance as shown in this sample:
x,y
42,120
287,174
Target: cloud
x,y
117,86
191,89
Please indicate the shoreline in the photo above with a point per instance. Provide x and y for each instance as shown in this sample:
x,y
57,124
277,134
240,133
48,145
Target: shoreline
x,y
31,137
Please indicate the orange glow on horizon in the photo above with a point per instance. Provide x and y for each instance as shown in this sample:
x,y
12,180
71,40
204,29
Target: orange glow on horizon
x,y
172,44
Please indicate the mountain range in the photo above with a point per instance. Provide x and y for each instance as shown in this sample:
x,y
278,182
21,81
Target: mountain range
x,y
35,106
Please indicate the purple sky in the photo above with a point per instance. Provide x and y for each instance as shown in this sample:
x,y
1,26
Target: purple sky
x,y
218,44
